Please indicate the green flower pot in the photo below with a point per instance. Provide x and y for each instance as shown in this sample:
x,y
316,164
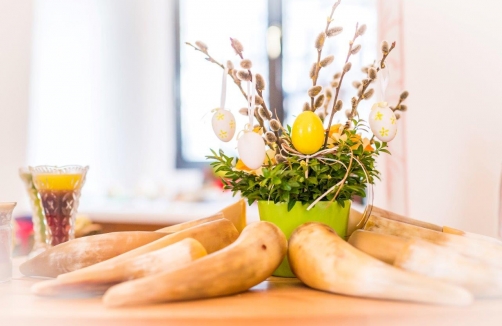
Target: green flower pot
x,y
328,213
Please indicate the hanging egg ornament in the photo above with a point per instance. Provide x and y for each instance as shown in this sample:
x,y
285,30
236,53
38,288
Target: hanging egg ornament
x,y
307,133
223,124
251,149
383,122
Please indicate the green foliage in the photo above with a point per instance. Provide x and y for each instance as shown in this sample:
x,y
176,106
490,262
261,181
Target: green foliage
x,y
299,180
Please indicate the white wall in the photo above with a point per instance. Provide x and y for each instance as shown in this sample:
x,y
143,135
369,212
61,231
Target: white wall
x,y
15,43
453,59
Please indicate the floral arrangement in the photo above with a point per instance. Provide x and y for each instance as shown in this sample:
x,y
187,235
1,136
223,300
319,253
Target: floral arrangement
x,y
311,160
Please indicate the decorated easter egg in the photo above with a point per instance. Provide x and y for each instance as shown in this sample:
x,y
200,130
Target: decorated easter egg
x,y
383,122
307,133
223,124
251,148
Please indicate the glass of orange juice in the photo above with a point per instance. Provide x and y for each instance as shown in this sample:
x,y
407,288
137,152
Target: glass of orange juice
x,y
59,189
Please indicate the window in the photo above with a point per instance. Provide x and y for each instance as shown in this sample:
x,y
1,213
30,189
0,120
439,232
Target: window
x,y
298,21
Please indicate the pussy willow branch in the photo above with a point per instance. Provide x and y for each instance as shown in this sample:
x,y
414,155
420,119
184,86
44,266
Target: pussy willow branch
x,y
337,91
318,67
365,85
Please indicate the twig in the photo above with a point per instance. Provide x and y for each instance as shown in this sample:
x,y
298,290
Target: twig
x,y
337,91
319,51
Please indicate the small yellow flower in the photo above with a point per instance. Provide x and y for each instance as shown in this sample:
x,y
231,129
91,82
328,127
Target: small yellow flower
x,y
223,134
303,163
232,124
384,132
220,116
393,120
379,116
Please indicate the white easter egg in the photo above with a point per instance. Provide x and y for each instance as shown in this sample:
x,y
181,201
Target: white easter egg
x,y
383,123
251,148
223,124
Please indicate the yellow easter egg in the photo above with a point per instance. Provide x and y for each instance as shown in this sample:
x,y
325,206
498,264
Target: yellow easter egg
x,y
307,133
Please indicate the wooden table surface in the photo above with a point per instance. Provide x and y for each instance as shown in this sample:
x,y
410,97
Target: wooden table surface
x,y
277,301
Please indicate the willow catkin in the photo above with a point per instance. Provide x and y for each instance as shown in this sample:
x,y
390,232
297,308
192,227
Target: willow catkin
x,y
356,83
334,31
275,125
260,82
403,107
270,137
385,47
201,45
355,49
230,65
372,73
243,75
246,64
338,105
313,70
264,113
236,45
314,91
279,158
319,101
327,61
346,67
361,30
404,95
337,75
258,100
244,111
319,41
368,94
306,106
398,116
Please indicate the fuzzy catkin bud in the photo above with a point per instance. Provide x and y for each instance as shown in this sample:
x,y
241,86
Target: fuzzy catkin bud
x,y
360,90
258,100
244,75
361,29
337,75
265,114
372,73
356,83
319,101
355,49
260,82
236,45
368,94
329,93
338,105
201,45
246,64
335,83
403,108
314,91
327,61
306,106
404,95
319,41
230,65
334,31
275,125
398,116
321,115
347,67
280,158
313,70
348,114
244,111
385,47
270,137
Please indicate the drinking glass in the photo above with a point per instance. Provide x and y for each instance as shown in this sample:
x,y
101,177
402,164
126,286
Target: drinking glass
x,y
37,214
6,241
59,189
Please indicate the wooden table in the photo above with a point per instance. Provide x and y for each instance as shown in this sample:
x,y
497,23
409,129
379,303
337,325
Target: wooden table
x,y
276,301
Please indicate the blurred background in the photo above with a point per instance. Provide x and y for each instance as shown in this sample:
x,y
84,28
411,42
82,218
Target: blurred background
x,y
111,84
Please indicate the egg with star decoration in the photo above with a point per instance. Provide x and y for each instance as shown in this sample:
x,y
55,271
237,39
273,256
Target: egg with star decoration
x,y
383,122
307,133
251,149
223,123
